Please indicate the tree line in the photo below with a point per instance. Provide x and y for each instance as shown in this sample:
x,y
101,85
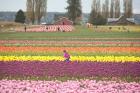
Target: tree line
x,y
109,9
101,10
112,8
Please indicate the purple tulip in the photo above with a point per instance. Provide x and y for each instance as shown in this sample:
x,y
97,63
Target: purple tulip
x,y
85,69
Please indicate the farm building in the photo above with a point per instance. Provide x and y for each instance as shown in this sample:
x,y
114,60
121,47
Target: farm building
x,y
63,21
121,21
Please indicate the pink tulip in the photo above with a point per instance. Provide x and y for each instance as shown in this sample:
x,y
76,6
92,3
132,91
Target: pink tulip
x,y
79,86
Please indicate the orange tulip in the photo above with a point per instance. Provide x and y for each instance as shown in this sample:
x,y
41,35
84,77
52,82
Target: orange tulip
x,y
74,49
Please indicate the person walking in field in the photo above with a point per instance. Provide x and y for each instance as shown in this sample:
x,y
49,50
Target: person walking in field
x,y
66,56
25,28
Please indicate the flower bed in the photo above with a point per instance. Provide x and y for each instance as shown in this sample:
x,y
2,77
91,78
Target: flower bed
x,y
74,51
77,49
28,58
86,69
73,58
81,86
69,43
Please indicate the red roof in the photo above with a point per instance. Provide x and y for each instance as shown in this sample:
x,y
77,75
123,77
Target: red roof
x,y
63,21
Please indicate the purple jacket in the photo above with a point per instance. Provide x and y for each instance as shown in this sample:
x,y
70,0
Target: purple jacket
x,y
66,55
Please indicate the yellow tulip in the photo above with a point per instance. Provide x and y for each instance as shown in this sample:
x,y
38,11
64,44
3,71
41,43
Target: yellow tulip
x,y
73,58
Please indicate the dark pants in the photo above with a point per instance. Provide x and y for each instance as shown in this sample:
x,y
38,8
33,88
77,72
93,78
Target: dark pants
x,y
67,60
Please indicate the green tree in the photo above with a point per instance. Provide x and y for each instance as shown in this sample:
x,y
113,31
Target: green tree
x,y
100,20
74,11
20,17
97,20
92,16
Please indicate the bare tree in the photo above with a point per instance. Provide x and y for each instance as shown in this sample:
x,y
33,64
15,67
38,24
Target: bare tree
x,y
94,6
45,9
112,9
106,7
117,8
128,8
98,7
93,13
97,12
40,10
104,10
30,11
36,9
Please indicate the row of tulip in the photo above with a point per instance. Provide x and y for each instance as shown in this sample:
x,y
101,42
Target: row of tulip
x,y
31,42
78,86
77,49
49,28
62,69
72,53
61,44
73,58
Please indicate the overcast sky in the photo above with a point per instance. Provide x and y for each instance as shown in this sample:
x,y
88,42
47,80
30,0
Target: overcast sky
x,y
54,5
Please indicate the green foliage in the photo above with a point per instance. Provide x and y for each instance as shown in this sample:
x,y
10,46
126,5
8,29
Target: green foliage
x,y
74,11
99,20
92,16
20,17
96,19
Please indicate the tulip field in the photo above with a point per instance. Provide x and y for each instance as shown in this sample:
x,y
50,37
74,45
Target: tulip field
x,y
82,86
101,62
